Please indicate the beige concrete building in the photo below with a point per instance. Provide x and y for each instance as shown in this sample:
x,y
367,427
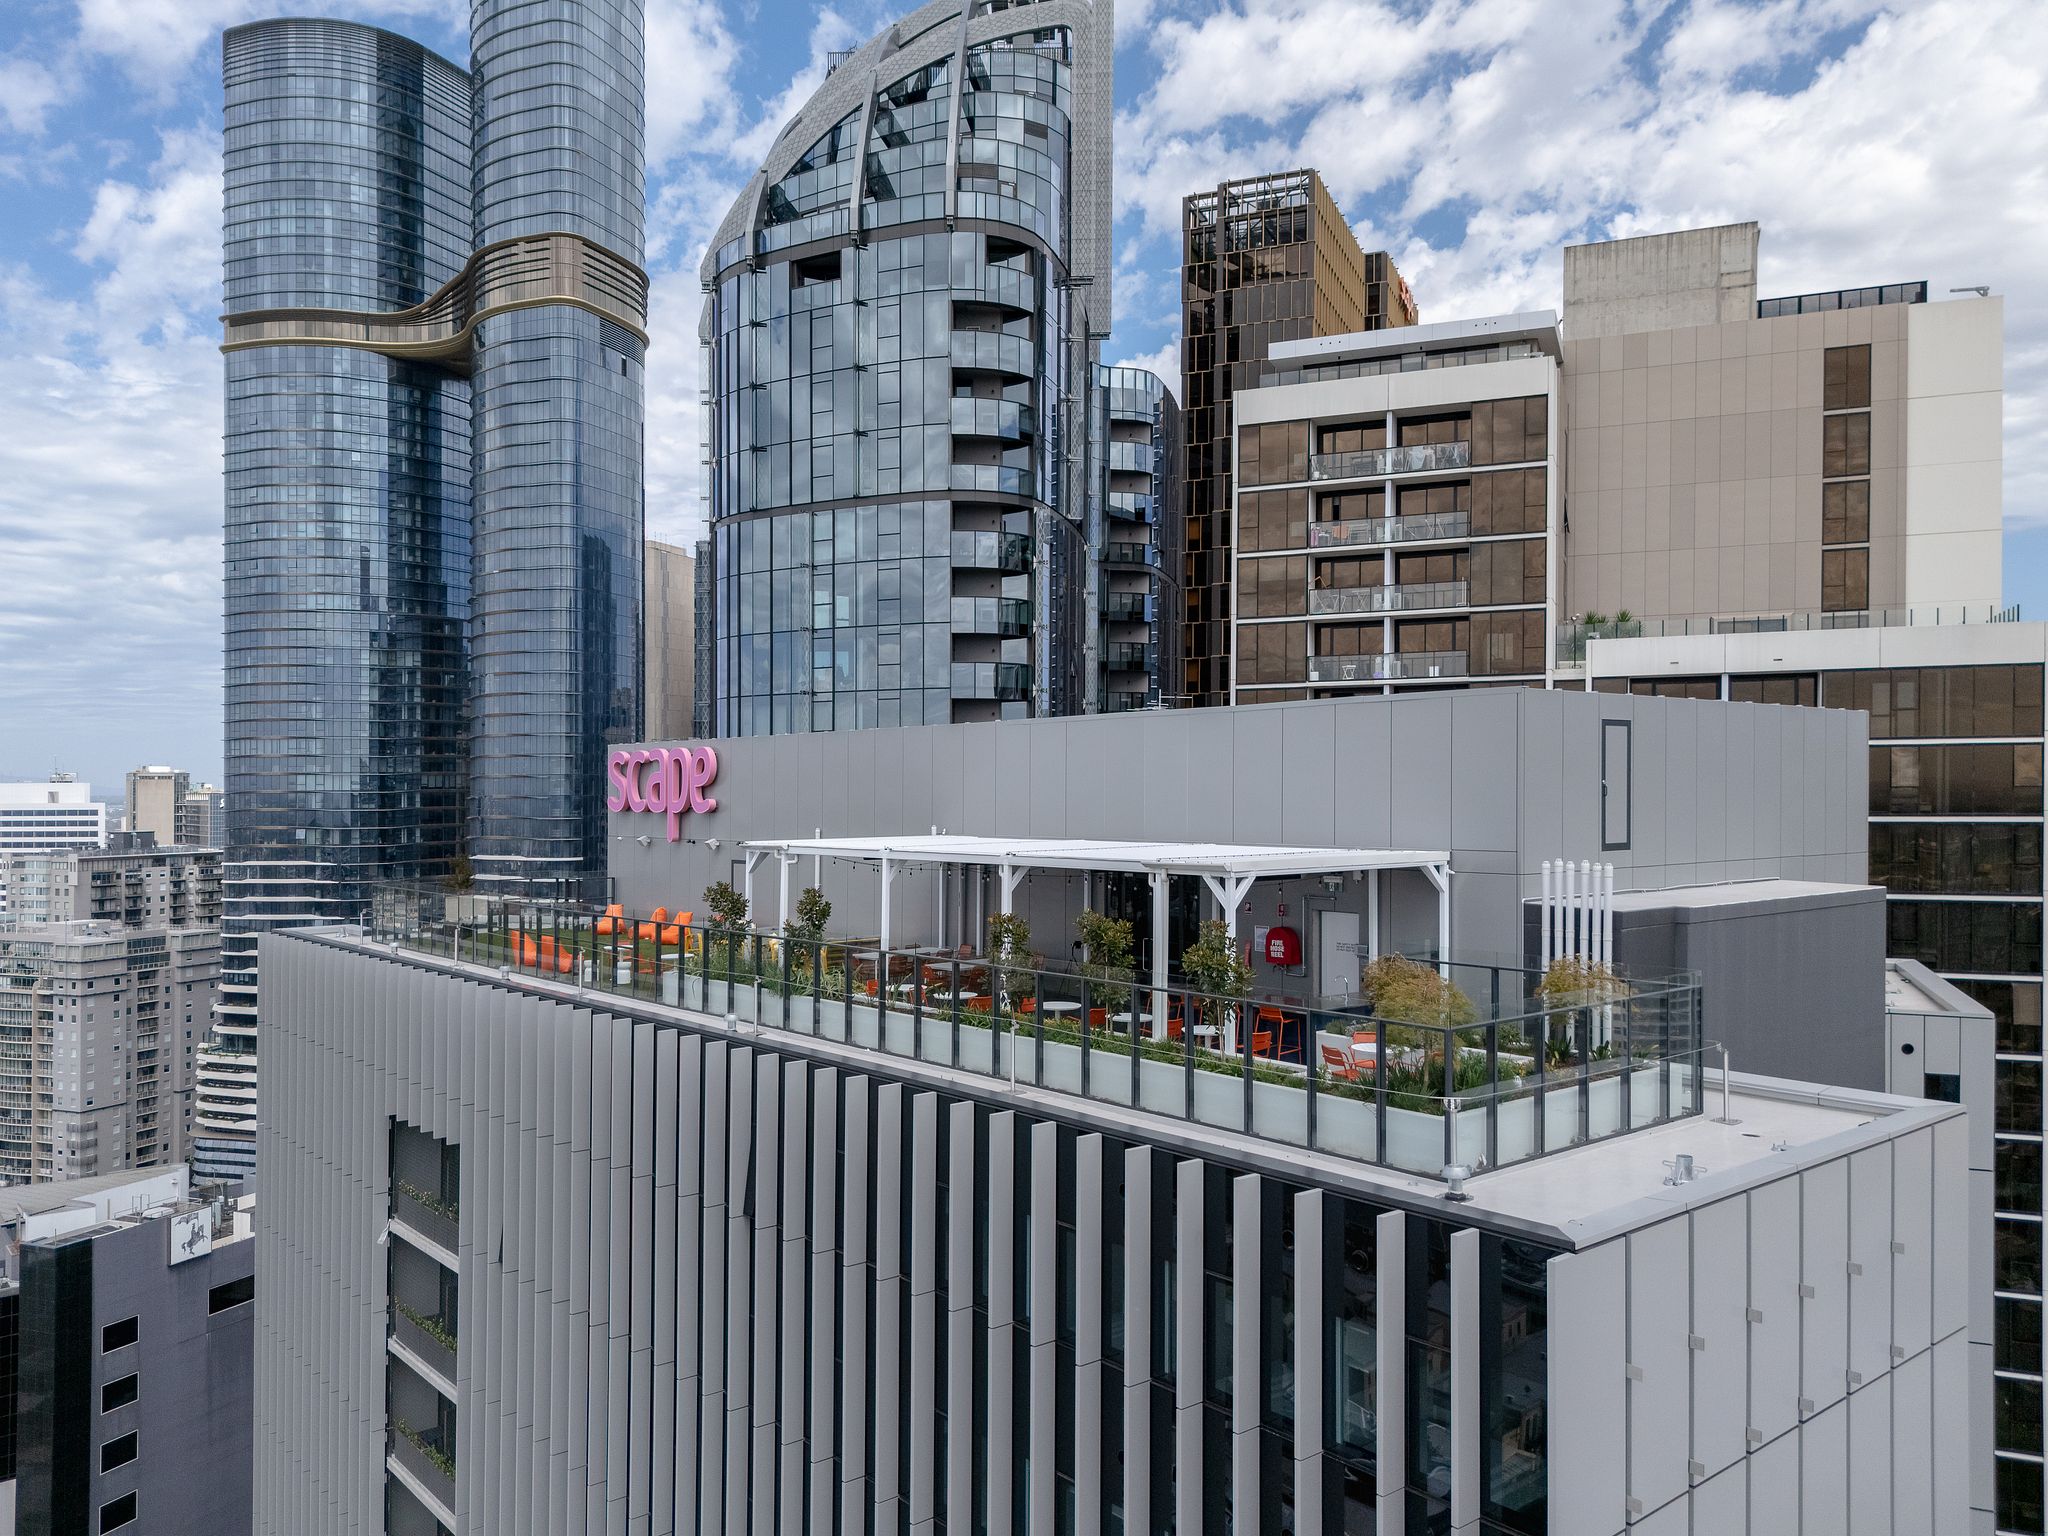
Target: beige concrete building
x,y
669,645
156,801
129,886
1829,453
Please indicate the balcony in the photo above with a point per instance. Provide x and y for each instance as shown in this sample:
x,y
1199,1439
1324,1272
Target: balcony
x,y
1396,599
1146,555
1389,530
429,1338
1006,681
427,1214
1572,637
980,550
427,1459
1116,700
1842,298
992,352
1008,420
1005,616
1128,607
992,480
1131,507
1371,463
1127,656
1000,285
1394,668
1131,458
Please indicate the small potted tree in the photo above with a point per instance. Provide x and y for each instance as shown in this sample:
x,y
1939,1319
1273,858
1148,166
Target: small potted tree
x,y
460,903
1220,972
728,909
1572,985
806,931
1111,944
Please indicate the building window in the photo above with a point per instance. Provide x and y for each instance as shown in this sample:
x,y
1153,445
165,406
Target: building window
x,y
1998,937
233,1294
1845,512
117,1452
1785,688
117,1513
119,1394
1846,378
1844,580
2017,1256
2019,1176
120,1335
1941,701
1616,790
2016,1335
1845,444
1955,781
2019,1495
1949,858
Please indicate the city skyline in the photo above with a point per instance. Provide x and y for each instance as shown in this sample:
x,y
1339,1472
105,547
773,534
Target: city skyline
x,y
107,310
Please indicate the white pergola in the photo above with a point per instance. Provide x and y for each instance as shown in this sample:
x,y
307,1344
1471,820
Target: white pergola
x,y
1226,869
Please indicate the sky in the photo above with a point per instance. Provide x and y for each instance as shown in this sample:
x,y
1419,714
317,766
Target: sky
x,y
1471,138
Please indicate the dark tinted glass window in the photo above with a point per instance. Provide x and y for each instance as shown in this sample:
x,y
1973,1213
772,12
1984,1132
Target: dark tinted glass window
x,y
2017,1334
119,1394
120,1335
232,1294
1844,580
1951,781
1846,378
1786,688
2019,1176
2019,1495
1845,445
1845,512
118,1513
118,1452
1956,858
1966,935
2018,1251
1941,701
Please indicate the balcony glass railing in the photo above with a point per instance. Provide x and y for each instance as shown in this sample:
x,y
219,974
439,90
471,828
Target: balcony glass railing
x,y
1390,668
992,479
991,616
1416,459
1124,656
1004,680
1389,530
1124,553
1131,506
1132,458
984,550
1128,607
1005,419
1396,599
1572,637
992,352
1514,1075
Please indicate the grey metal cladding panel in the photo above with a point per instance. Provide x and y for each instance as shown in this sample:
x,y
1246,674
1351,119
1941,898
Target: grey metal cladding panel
x,y
824,1224
1870,1261
1539,813
1088,1242
1390,1351
1311,1328
886,1373
1256,818
924,1193
1683,771
1189,1364
1002,1205
1044,1256
1586,1294
767,1181
890,1151
1164,761
740,1064
1465,1407
1870,1457
793,1314
1482,736
1720,1365
1247,1294
1308,760
1824,1474
1953,1228
1046,812
1138,1262
1650,810
859,1176
714,1098
1361,776
823,1390
1912,1447
1201,793
1824,1278
795,1213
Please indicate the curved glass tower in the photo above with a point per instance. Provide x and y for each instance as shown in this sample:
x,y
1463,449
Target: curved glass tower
x,y
560,150
903,312
347,498
434,334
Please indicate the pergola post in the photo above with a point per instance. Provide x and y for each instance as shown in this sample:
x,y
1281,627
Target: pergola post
x,y
1159,879
1230,894
1011,874
1440,877
754,856
886,875
1372,915
784,860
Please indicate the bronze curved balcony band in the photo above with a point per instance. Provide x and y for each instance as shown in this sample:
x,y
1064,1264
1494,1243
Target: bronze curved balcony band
x,y
522,273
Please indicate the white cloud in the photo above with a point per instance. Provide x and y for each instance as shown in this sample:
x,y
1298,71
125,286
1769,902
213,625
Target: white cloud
x,y
28,90
1473,140
690,57
1163,360
155,42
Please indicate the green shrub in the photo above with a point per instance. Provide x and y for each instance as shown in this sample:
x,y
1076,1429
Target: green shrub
x,y
1409,992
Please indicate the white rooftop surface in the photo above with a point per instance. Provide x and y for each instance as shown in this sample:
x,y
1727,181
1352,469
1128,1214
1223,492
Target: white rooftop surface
x,y
1584,1192
1733,893
1104,853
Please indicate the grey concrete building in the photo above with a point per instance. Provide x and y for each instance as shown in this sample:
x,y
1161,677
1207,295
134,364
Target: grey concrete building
x,y
156,802
1500,779
132,884
746,1259
126,1357
669,646
101,1025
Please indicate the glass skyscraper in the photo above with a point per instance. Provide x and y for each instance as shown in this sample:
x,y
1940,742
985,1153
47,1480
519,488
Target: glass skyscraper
x,y
904,311
435,333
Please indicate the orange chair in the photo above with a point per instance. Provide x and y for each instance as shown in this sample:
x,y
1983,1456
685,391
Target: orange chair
x,y
1262,1042
604,924
1027,1005
1173,1026
1339,1064
980,1005
529,952
1098,1018
547,950
1275,1021
659,914
646,932
870,987
562,962
671,934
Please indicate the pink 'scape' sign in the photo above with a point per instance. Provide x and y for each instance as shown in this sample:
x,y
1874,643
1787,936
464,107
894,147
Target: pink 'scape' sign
x,y
664,780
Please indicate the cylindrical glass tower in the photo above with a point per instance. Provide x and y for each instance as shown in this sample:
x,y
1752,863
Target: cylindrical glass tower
x,y
347,537
555,636
902,310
